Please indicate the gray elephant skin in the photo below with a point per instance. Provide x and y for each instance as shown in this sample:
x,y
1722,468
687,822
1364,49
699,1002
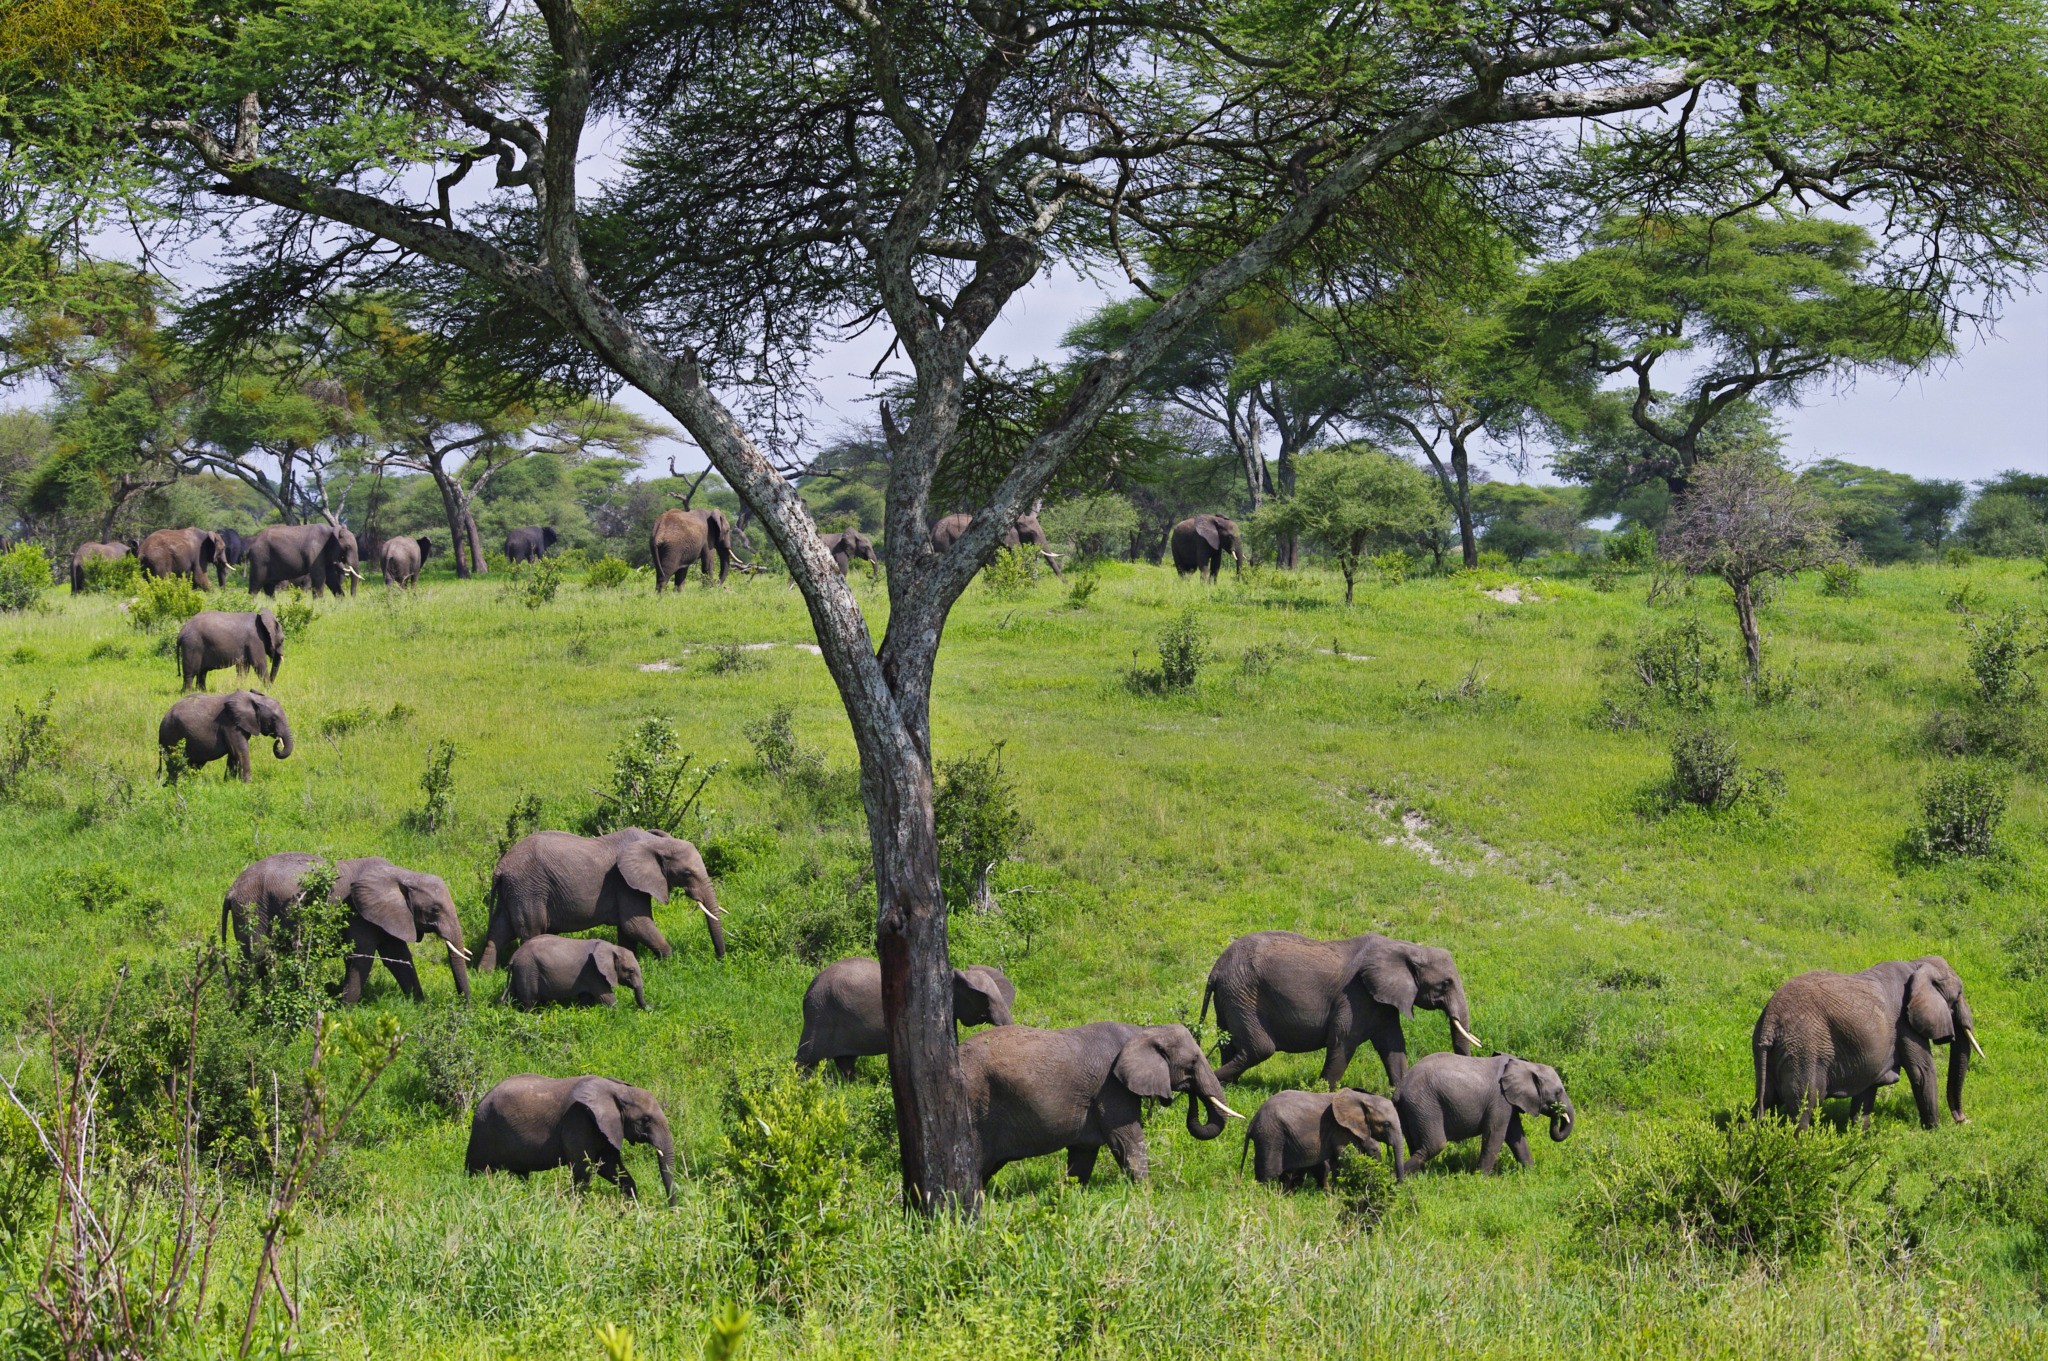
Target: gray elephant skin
x,y
1024,529
213,726
847,545
185,552
325,555
843,1009
531,543
530,1124
111,551
578,972
554,882
390,907
214,639
1031,1092
1294,1135
1201,542
1446,1098
1279,992
682,539
1830,1035
401,559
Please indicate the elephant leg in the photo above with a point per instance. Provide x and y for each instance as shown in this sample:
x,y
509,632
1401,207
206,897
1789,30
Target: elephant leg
x,y
1861,1105
844,1063
1425,1139
1518,1139
641,933
1248,1047
1127,1146
1386,1037
1081,1161
362,954
1336,1058
1322,1168
579,1173
614,1171
1490,1144
1917,1061
500,940
238,755
397,957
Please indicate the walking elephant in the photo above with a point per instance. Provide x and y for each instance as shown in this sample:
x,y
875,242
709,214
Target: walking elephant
x,y
1298,1134
237,546
530,1124
579,972
1278,992
213,639
1031,1092
1024,529
682,539
325,555
401,560
1828,1034
1449,1097
1200,543
843,1009
112,551
390,907
849,544
531,543
551,883
213,726
185,553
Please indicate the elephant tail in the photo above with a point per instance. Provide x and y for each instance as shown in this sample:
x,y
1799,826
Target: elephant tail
x,y
1208,991
1763,1076
1244,1148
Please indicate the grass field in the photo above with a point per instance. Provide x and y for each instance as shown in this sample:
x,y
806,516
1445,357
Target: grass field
x,y
1430,763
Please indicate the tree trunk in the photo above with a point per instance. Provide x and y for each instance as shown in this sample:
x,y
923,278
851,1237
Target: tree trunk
x,y
1752,642
1290,545
451,506
1461,469
477,561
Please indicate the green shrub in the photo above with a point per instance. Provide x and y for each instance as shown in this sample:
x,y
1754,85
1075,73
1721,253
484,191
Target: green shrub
x,y
1963,598
292,973
28,747
790,1162
1492,560
2026,951
24,1176
1998,654
608,573
295,613
1841,580
1632,549
1957,557
1393,567
977,824
1010,573
1183,652
1678,664
650,782
446,1055
1257,660
540,585
1959,813
25,656
107,650
161,602
781,752
1081,589
727,658
24,576
113,576
437,790
1707,772
101,887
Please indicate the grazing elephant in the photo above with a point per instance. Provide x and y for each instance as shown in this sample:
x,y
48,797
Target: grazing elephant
x,y
530,544
1200,542
583,972
529,1124
1302,1133
401,559
324,555
112,551
1278,992
1449,1097
390,907
554,882
843,1009
1031,1092
213,639
686,538
237,546
1830,1034
1024,529
185,552
849,544
213,726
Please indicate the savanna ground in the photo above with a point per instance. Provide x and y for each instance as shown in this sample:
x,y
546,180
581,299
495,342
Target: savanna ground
x,y
1432,763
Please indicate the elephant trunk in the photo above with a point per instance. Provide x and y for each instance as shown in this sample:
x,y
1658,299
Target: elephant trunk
x,y
1206,1099
1397,1150
281,744
1561,1121
458,960
713,919
1959,1047
665,1153
1463,1041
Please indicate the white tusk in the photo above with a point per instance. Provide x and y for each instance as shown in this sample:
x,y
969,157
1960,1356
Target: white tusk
x,y
705,910
1973,1043
459,951
1470,1038
1226,1110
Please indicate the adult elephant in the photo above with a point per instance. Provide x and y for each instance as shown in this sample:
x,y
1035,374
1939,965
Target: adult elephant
x,y
185,553
843,1009
213,639
1200,542
847,545
1031,1092
1449,1097
213,726
1024,529
530,1124
1829,1034
110,551
1278,992
551,883
401,560
531,543
682,539
237,545
324,555
390,907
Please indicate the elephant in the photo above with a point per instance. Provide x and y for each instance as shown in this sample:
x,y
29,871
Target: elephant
x,y
682,538
1297,1134
237,546
389,908
529,1124
185,552
1448,1097
847,545
1829,1034
213,639
1200,541
1278,992
553,882
325,555
213,726
582,971
531,543
843,1009
401,559
112,551
1031,1092
1024,529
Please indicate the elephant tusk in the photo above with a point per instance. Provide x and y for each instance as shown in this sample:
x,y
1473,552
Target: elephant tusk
x,y
455,949
1470,1038
1226,1110
708,913
1974,1045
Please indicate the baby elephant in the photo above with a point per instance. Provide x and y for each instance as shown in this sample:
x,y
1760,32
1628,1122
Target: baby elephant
x,y
1298,1133
1449,1097
843,1009
213,639
583,972
213,726
529,1124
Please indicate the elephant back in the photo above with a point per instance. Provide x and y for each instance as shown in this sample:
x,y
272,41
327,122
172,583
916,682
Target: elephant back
x,y
263,891
550,882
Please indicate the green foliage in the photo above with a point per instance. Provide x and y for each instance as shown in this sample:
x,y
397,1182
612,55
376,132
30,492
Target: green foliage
x,y
1183,651
1963,598
1081,589
111,576
1630,549
1707,772
1678,665
1960,809
650,771
1350,502
1841,580
2026,951
541,584
28,747
730,657
24,1178
1393,566
608,573
781,752
1010,573
2009,517
437,791
1100,526
295,614
445,1049
291,974
1492,560
163,603
978,825
790,1160
1998,654
102,887
24,576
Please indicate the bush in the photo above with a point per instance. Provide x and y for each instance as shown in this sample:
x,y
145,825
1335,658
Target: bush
x,y
538,587
1492,560
1183,652
112,576
1393,567
98,888
781,752
726,658
649,773
24,576
1707,772
1010,573
1678,666
28,746
977,824
1841,580
1081,590
1632,549
1998,654
164,601
1098,526
446,1051
608,573
295,613
1959,813
1963,598
293,972
437,790
2026,951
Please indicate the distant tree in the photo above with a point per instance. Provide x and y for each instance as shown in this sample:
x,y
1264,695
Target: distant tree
x,y
1523,521
286,434
1349,501
1098,526
1930,510
1888,516
1597,444
2009,517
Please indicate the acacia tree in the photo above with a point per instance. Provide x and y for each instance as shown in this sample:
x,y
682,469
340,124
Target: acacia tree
x,y
790,168
1348,501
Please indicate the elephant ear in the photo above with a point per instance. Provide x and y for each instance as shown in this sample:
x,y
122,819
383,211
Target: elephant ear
x,y
240,710
641,868
968,984
595,1095
380,901
1141,1066
605,962
1518,1085
1927,1011
1388,978
1349,1113
426,546
1206,529
272,631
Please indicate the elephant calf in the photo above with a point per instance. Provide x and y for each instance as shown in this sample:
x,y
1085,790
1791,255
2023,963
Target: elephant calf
x,y
213,639
1295,1134
843,1009
1449,1097
578,972
390,907
530,1124
213,726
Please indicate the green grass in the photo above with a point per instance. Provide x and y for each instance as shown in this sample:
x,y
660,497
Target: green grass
x,y
1630,947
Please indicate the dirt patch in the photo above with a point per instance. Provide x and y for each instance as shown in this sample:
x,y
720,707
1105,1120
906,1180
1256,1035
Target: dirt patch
x,y
1513,594
664,664
1346,656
